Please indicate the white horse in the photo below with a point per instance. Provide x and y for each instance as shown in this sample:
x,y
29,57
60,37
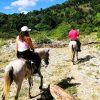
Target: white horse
x,y
74,50
19,69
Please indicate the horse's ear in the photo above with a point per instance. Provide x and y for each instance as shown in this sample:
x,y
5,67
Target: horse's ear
x,y
48,50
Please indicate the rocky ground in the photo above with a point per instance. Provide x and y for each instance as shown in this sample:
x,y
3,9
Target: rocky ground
x,y
83,78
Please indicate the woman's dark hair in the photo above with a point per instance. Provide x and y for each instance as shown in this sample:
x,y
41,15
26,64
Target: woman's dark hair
x,y
25,33
22,34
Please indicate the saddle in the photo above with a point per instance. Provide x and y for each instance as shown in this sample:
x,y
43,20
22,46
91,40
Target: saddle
x,y
31,66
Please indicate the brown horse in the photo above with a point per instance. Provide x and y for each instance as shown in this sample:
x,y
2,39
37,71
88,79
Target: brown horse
x,y
19,69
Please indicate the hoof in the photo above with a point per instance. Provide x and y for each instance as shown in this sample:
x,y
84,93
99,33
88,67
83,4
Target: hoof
x,y
16,98
40,87
3,97
30,96
73,63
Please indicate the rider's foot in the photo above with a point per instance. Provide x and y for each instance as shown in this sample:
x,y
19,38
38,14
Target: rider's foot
x,y
79,50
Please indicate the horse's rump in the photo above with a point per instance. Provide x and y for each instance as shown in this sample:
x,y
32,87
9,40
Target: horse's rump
x,y
72,44
20,68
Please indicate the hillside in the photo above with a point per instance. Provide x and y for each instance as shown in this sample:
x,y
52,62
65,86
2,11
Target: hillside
x,y
84,14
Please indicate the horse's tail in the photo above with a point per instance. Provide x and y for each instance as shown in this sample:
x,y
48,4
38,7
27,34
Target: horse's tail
x,y
8,79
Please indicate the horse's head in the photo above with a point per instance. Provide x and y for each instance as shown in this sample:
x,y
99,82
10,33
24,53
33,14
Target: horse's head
x,y
44,55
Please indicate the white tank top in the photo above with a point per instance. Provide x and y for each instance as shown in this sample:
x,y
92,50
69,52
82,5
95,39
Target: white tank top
x,y
22,46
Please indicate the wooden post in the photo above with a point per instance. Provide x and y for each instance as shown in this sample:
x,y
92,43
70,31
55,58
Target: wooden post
x,y
59,94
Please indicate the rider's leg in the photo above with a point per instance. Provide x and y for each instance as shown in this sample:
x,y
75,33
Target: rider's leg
x,y
36,59
79,44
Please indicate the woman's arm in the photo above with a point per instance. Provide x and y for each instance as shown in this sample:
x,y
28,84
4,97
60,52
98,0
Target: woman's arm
x,y
77,32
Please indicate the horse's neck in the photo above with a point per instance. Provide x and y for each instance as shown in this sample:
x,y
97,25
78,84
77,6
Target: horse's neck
x,y
41,54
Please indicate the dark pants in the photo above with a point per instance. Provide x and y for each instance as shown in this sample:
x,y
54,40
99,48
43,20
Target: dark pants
x,y
30,55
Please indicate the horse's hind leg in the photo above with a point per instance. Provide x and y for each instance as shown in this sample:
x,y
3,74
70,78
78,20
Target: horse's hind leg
x,y
18,90
41,77
3,97
77,55
73,57
30,81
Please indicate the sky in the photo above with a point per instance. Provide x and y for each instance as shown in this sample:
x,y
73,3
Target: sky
x,y
24,6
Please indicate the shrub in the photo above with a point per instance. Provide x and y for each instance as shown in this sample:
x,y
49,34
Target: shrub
x,y
42,27
6,35
98,34
61,31
2,42
42,39
88,30
83,27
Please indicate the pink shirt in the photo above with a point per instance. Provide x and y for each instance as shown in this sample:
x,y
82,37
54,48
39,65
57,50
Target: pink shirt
x,y
73,34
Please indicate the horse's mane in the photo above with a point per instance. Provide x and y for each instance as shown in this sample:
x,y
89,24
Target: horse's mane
x,y
41,50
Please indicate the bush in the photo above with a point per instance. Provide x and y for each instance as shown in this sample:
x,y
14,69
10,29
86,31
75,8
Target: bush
x,y
98,33
2,42
42,27
42,39
83,27
61,31
7,35
88,30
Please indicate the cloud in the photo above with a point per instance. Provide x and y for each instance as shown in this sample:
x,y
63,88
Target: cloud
x,y
7,7
49,0
24,12
22,5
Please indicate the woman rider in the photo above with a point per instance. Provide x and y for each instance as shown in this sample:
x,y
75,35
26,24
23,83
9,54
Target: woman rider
x,y
25,48
73,35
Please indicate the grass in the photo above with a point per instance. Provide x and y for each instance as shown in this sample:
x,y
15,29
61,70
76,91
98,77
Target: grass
x,y
63,82
2,42
89,74
88,38
79,68
98,46
93,65
97,16
72,90
94,97
6,58
23,92
98,72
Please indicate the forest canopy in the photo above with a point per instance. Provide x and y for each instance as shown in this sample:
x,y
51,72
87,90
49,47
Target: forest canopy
x,y
84,14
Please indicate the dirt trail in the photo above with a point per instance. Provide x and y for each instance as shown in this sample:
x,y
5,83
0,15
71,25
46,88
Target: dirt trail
x,y
86,74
